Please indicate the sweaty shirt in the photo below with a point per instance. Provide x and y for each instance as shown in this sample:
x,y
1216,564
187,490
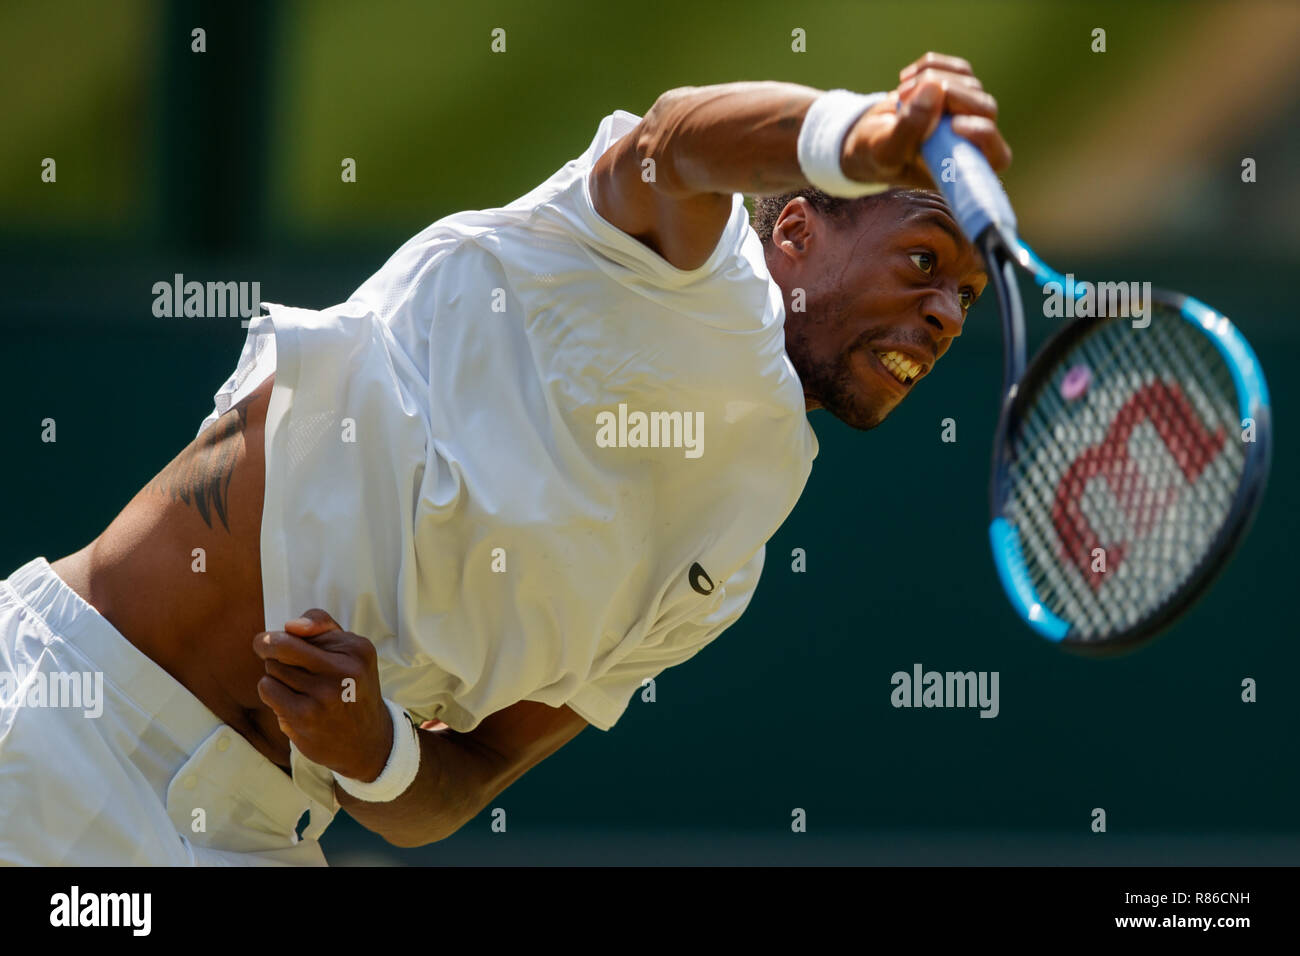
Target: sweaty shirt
x,y
529,459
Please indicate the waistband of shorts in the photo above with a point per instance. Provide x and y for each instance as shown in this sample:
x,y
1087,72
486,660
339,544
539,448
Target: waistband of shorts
x,y
67,616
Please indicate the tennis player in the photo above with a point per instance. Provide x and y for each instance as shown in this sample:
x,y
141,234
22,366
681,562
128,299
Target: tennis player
x,y
531,463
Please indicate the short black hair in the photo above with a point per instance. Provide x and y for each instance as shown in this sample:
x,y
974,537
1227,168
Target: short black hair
x,y
767,209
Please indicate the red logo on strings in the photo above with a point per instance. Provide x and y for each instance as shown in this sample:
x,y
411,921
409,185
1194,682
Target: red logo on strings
x,y
1184,435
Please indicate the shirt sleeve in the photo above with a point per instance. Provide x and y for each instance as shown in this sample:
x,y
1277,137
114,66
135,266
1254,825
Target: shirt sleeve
x,y
256,362
575,207
601,702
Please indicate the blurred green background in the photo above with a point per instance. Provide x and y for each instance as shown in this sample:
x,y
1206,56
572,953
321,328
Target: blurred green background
x,y
225,165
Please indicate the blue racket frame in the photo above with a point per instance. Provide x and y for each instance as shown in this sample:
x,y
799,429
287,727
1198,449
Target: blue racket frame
x,y
984,212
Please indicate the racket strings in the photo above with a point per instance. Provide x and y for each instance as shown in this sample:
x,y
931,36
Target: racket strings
x,y
1053,434
1145,502
1119,494
1031,488
1106,614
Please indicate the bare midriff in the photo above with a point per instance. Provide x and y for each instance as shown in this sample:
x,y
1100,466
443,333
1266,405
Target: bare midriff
x,y
179,573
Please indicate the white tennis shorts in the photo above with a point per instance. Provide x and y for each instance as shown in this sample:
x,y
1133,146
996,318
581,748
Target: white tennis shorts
x,y
106,760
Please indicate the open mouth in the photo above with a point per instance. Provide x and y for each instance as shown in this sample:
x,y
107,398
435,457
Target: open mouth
x,y
902,368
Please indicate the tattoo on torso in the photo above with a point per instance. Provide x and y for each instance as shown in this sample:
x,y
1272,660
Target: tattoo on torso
x,y
200,475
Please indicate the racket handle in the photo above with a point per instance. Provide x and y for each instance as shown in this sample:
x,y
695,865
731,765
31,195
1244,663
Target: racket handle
x,y
968,182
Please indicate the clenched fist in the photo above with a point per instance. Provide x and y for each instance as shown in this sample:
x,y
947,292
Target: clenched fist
x,y
884,146
322,682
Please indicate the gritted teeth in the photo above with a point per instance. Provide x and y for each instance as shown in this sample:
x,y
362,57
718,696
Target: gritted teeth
x,y
899,366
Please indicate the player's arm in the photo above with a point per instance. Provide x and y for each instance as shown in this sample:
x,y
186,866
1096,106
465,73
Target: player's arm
x,y
308,667
461,773
669,182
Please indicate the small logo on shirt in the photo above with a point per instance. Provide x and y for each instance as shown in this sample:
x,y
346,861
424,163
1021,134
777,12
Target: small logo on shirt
x,y
700,580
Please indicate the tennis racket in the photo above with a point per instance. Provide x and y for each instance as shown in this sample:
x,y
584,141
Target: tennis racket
x,y
1131,453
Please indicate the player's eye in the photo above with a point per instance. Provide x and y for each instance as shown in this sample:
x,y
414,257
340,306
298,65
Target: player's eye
x,y
924,261
967,298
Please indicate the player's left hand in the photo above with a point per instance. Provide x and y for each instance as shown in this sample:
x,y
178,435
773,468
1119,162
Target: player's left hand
x,y
340,725
884,146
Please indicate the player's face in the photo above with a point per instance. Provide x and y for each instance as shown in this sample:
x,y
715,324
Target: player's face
x,y
885,296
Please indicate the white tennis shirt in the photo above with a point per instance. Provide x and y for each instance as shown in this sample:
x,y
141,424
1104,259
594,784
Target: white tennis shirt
x,y
528,458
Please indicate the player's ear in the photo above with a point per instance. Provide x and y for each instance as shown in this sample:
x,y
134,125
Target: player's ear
x,y
795,228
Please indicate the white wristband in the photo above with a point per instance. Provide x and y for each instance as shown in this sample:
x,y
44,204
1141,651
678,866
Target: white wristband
x,y
821,142
401,769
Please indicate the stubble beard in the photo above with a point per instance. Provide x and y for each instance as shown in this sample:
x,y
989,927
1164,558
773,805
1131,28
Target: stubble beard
x,y
829,379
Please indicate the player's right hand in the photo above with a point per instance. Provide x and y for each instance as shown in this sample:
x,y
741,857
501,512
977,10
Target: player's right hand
x,y
322,683
884,146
